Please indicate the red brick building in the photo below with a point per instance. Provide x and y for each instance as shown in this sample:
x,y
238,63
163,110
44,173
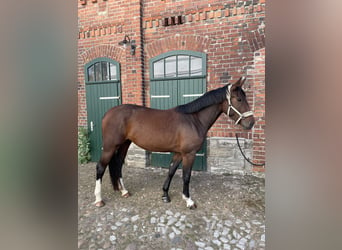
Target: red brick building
x,y
223,39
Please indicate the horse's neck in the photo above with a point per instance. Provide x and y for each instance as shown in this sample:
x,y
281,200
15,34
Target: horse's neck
x,y
209,115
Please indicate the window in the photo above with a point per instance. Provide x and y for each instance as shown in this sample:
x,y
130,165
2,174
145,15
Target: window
x,y
179,65
102,71
183,66
170,66
196,66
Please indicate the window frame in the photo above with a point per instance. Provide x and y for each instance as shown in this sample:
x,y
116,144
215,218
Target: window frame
x,y
100,60
177,53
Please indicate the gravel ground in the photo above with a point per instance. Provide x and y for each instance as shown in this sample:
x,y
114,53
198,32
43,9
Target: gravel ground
x,y
230,212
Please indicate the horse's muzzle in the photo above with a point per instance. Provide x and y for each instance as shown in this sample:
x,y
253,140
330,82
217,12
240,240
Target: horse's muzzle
x,y
248,123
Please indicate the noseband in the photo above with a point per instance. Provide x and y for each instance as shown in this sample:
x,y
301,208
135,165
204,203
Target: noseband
x,y
230,106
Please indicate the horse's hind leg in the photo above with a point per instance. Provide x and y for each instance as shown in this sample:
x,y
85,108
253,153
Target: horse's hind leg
x,y
100,170
176,160
115,167
122,154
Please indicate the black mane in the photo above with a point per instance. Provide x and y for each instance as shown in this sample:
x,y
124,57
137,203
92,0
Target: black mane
x,y
215,96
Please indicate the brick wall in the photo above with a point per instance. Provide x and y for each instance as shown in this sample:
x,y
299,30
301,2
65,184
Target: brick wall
x,y
232,36
231,33
258,133
102,25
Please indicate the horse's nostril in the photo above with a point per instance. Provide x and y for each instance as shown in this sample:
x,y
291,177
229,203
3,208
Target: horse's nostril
x,y
251,124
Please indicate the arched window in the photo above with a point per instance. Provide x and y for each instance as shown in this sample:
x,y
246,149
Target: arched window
x,y
178,64
102,70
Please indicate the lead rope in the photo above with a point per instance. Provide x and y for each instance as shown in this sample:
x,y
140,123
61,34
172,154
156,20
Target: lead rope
x,y
243,115
244,156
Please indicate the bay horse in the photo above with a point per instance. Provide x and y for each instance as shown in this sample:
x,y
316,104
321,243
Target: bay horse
x,y
181,130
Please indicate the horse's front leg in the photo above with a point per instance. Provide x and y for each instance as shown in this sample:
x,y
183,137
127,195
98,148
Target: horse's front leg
x,y
188,161
176,160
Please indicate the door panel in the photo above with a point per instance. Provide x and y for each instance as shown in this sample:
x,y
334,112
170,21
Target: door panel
x,y
190,89
100,98
163,94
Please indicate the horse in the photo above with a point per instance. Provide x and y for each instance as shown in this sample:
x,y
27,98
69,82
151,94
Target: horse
x,y
181,130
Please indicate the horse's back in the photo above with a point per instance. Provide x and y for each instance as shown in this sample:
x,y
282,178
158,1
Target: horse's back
x,y
132,112
136,118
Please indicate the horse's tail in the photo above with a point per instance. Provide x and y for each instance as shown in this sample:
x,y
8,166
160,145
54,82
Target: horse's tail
x,y
115,166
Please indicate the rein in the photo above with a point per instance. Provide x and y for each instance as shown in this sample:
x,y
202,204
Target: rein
x,y
230,106
244,156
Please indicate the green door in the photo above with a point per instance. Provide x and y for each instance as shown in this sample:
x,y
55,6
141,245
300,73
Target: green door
x,y
103,92
177,77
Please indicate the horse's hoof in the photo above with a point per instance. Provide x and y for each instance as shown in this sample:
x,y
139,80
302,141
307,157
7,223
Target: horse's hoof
x,y
192,207
126,195
166,199
99,204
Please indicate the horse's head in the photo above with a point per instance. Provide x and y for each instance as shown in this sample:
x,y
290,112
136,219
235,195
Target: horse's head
x,y
236,105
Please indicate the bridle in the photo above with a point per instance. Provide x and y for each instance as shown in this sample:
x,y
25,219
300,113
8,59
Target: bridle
x,y
230,106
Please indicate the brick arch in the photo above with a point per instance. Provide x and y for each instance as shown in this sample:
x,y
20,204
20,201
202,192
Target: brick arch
x,y
255,39
177,42
109,51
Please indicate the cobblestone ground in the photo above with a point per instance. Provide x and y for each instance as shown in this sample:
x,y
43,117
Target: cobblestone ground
x,y
230,212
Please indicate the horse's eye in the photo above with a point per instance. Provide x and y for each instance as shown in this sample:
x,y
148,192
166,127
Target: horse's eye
x,y
239,99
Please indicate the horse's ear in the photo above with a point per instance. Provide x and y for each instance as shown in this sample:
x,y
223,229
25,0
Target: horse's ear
x,y
240,82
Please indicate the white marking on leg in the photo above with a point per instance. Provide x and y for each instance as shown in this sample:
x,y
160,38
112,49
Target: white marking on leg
x,y
123,189
189,202
97,191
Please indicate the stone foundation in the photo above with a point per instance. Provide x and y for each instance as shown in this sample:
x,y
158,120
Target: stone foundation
x,y
136,157
223,156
